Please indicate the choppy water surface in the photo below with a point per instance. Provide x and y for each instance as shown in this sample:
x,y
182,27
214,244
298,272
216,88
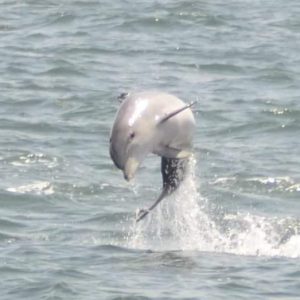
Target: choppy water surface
x,y
67,227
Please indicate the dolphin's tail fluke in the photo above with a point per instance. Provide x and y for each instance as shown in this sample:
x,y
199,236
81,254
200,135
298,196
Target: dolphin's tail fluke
x,y
173,171
142,213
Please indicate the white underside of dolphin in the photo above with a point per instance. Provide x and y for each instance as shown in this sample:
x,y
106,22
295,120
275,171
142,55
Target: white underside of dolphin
x,y
153,122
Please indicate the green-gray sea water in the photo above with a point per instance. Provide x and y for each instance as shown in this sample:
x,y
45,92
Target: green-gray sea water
x,y
67,228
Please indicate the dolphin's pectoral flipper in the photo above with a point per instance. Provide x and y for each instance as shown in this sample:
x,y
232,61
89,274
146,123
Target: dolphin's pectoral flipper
x,y
175,112
173,171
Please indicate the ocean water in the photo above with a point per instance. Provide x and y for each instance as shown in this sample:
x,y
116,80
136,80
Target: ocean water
x,y
67,228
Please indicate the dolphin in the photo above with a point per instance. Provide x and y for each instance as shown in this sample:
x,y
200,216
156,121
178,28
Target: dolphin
x,y
153,122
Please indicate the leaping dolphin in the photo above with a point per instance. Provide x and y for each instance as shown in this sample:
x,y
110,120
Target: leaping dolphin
x,y
153,122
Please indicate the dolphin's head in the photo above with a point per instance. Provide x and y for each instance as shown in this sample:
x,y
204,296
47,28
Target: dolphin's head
x,y
131,137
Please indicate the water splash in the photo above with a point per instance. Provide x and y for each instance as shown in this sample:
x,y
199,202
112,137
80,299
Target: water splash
x,y
184,221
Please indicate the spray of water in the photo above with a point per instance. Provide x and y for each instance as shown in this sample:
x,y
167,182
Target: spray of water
x,y
184,221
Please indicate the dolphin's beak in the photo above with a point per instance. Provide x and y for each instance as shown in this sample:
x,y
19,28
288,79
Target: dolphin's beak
x,y
130,168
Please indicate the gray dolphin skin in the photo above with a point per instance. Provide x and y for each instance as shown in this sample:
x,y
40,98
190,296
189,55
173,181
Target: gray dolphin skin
x,y
153,122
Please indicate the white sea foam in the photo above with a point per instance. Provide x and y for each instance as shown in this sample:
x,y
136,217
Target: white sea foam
x,y
284,183
37,187
35,158
184,222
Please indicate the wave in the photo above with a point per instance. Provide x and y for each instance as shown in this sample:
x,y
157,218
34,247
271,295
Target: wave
x,y
269,183
185,222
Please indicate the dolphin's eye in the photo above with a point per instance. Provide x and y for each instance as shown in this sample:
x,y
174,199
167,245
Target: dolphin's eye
x,y
132,135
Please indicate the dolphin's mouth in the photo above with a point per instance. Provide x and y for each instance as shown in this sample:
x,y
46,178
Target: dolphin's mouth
x,y
114,157
126,176
130,168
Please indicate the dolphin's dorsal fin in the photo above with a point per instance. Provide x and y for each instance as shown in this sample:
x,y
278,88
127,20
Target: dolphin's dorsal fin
x,y
122,96
174,113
